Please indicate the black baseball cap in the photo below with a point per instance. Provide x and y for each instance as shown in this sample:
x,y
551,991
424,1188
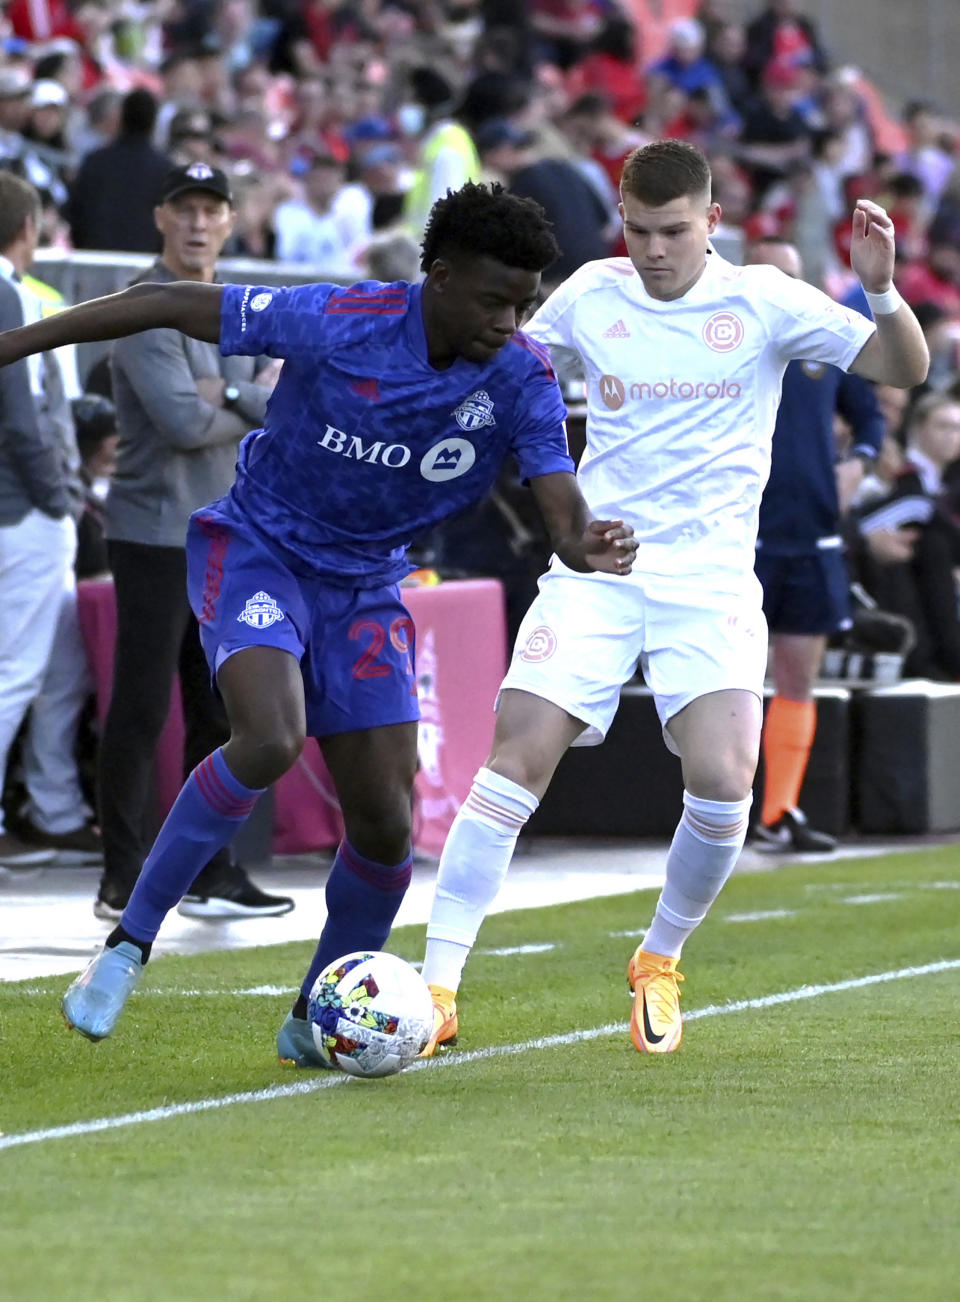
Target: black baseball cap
x,y
498,131
195,176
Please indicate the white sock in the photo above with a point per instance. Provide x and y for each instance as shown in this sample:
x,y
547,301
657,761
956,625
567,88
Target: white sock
x,y
473,864
705,848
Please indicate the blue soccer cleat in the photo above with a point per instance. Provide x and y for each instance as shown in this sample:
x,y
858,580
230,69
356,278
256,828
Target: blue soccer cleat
x,y
295,1045
95,1000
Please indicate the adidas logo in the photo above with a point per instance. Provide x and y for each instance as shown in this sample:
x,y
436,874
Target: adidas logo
x,y
617,331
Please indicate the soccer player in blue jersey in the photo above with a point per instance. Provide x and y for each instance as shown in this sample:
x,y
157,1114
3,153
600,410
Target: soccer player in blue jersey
x,y
396,406
800,561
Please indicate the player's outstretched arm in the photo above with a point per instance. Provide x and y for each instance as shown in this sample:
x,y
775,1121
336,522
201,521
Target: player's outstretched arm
x,y
185,305
581,542
897,354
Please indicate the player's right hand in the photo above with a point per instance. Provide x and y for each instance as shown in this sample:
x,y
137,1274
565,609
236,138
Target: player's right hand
x,y
609,546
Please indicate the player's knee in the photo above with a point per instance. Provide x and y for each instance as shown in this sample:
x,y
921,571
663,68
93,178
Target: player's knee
x,y
261,758
381,830
727,778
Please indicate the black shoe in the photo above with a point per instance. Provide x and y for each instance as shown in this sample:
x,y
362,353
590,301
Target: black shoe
x,y
111,901
83,845
17,853
792,832
234,897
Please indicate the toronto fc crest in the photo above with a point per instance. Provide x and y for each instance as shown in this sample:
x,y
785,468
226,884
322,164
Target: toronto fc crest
x,y
476,411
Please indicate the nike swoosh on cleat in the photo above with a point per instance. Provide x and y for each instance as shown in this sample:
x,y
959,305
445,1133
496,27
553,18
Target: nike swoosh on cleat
x,y
647,1032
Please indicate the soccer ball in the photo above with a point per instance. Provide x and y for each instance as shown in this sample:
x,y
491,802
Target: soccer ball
x,y
370,1014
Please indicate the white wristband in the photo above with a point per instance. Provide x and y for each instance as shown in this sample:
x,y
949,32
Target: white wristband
x,y
884,304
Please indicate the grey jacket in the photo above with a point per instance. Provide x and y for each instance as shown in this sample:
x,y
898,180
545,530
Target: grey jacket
x,y
176,452
32,470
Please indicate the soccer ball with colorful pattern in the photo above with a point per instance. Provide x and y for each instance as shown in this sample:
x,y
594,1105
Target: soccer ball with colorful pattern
x,y
370,1013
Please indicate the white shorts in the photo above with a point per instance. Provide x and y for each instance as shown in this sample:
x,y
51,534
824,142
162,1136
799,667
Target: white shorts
x,y
585,634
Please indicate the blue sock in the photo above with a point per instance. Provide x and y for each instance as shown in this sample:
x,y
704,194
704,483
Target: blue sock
x,y
204,818
362,901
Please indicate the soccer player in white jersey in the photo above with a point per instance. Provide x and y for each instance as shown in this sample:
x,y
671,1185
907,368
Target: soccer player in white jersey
x,y
684,354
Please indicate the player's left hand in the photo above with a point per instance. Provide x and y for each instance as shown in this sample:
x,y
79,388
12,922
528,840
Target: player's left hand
x,y
872,246
609,546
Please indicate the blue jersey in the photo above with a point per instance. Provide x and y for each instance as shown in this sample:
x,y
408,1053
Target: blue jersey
x,y
799,511
365,445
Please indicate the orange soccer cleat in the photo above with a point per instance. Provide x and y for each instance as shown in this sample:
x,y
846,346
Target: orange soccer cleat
x,y
445,1023
655,1024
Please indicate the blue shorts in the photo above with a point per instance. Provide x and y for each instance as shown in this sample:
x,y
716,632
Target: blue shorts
x,y
807,595
355,646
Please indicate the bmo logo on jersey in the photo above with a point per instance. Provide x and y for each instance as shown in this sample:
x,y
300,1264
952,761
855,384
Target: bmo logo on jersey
x,y
353,448
447,460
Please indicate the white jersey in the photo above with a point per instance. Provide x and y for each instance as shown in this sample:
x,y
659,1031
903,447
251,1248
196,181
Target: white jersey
x,y
682,398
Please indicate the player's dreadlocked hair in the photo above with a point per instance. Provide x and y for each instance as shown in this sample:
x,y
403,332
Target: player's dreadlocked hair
x,y
487,221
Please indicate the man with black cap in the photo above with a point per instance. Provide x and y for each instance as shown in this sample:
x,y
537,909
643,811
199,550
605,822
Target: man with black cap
x,y
182,411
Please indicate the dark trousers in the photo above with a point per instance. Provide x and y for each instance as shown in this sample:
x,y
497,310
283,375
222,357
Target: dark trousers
x,y
157,637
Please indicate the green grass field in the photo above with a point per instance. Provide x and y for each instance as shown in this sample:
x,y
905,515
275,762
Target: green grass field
x,y
806,1148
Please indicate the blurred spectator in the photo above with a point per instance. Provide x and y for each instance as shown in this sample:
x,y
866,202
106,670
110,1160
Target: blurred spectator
x,y
685,66
801,212
102,124
37,531
373,199
934,278
845,116
256,198
925,158
581,220
448,158
191,138
47,116
15,85
250,140
706,122
733,192
393,255
923,509
45,20
907,209
563,30
312,130
942,333
112,198
309,229
780,32
95,421
774,132
182,84
182,410
612,68
595,131
726,50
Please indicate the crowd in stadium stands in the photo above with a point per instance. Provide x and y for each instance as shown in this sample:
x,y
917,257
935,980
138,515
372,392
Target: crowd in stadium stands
x,y
339,124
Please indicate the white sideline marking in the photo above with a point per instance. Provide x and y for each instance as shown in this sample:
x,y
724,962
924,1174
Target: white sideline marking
x,y
516,949
761,915
456,1059
880,897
